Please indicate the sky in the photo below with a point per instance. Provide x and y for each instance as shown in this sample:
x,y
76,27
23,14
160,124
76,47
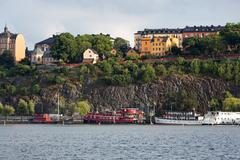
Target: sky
x,y
40,19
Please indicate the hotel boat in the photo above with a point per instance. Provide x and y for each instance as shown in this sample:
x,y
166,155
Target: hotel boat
x,y
125,115
179,118
221,118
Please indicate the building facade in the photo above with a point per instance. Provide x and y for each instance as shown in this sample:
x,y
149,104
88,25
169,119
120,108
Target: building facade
x,y
156,46
151,33
146,41
90,56
201,31
14,43
42,52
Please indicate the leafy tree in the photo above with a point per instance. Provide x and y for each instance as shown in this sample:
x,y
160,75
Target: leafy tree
x,y
65,47
7,111
84,42
231,35
237,72
84,69
195,66
148,74
231,104
25,61
214,104
161,70
81,107
228,95
102,44
36,89
121,45
31,107
121,80
59,79
106,67
176,51
1,108
22,107
7,59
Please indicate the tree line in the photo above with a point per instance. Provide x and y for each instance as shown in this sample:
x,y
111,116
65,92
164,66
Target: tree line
x,y
227,41
70,49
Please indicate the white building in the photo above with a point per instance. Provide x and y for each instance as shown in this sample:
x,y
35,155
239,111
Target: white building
x,y
42,52
90,56
36,56
219,118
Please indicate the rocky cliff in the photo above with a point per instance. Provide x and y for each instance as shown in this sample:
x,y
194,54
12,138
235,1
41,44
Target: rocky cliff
x,y
145,96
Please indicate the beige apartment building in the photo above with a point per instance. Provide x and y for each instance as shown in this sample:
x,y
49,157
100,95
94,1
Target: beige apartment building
x,y
15,43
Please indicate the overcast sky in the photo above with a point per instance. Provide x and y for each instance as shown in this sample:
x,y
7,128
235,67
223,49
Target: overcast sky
x,y
39,19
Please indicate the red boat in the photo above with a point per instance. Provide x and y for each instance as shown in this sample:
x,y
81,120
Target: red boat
x,y
42,118
126,115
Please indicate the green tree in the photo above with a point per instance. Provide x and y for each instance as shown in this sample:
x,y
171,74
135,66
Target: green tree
x,y
237,72
22,107
1,108
81,107
59,79
161,70
228,95
36,89
122,79
231,35
65,48
7,59
121,45
84,42
102,44
148,74
176,51
7,111
214,104
195,66
231,104
84,69
106,67
31,107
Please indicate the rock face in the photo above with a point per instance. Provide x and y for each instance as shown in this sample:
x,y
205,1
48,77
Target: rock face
x,y
144,96
149,96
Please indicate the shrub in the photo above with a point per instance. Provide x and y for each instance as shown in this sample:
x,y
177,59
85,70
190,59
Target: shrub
x,y
36,89
59,80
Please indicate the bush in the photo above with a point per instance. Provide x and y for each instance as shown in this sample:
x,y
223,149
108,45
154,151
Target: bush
x,y
161,70
59,80
121,80
147,74
36,89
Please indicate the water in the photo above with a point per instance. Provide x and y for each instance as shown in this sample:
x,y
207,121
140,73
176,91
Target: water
x,y
104,142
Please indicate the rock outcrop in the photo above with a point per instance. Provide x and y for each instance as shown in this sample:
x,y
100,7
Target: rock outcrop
x,y
144,96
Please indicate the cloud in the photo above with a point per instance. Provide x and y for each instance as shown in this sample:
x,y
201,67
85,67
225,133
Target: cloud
x,y
39,19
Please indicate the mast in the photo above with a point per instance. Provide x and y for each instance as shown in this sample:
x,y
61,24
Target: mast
x,y
58,103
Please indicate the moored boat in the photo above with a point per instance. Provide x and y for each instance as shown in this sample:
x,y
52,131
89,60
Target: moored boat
x,y
179,118
125,115
221,118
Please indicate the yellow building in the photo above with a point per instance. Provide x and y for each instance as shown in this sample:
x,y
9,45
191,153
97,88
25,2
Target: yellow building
x,y
15,43
174,34
157,45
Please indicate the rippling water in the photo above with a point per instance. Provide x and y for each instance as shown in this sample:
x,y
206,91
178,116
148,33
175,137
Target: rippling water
x,y
23,142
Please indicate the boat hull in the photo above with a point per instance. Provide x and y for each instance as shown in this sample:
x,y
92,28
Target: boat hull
x,y
162,121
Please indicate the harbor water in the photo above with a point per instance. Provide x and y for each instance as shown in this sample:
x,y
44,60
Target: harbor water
x,y
107,142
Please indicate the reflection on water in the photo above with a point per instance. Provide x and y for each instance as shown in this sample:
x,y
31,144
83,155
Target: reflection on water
x,y
105,142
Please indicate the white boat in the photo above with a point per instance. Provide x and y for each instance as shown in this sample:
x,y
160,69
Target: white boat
x,y
221,118
179,118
